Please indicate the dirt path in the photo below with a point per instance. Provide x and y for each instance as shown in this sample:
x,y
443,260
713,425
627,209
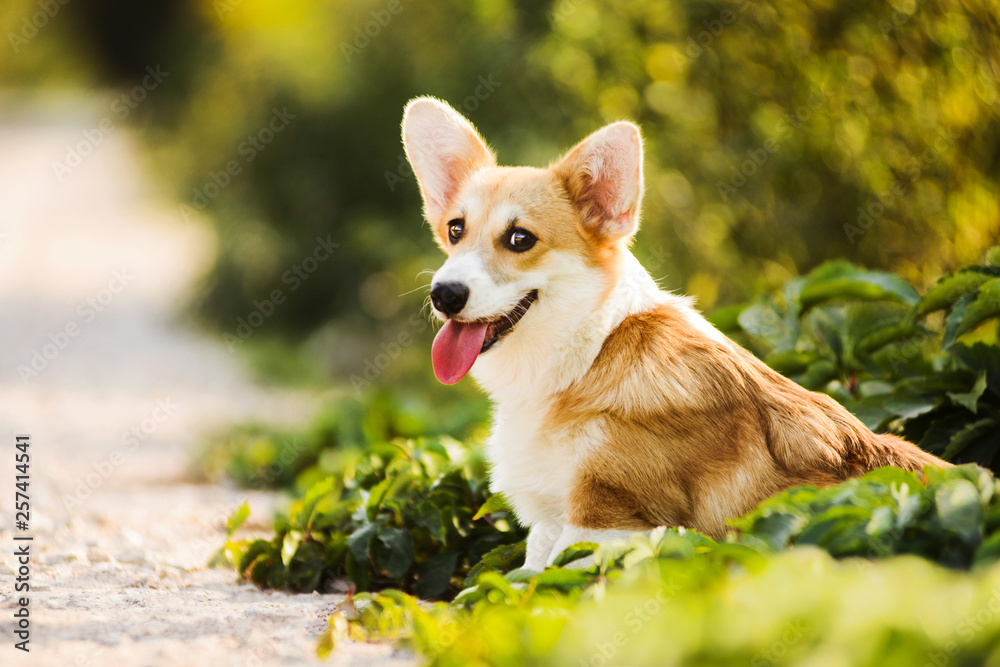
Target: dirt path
x,y
91,271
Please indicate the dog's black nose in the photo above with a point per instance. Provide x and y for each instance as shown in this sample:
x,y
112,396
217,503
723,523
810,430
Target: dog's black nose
x,y
449,298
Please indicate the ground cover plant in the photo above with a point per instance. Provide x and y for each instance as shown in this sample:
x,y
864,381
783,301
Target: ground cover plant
x,y
856,571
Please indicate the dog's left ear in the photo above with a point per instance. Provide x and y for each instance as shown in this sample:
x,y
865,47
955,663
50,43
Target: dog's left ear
x,y
444,149
603,174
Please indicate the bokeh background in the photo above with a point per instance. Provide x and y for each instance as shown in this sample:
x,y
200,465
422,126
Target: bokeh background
x,y
237,165
779,134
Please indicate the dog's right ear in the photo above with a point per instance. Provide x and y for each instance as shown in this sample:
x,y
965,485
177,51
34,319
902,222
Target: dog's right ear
x,y
603,175
444,149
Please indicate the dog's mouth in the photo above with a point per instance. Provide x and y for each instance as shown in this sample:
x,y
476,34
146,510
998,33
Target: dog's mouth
x,y
502,325
458,343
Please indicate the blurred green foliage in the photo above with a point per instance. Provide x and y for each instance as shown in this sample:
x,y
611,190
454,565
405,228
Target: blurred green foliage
x,y
779,134
677,598
772,130
382,506
821,108
401,513
925,367
261,457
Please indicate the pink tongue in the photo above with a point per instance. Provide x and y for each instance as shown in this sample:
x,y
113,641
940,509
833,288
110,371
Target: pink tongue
x,y
455,349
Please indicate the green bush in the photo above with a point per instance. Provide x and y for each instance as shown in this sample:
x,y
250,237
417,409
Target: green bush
x,y
926,368
401,513
256,456
397,510
676,598
779,134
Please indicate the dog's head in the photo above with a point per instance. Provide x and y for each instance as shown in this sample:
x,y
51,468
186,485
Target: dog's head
x,y
529,250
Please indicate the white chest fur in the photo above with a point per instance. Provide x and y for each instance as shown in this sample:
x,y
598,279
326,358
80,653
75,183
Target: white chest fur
x,y
531,463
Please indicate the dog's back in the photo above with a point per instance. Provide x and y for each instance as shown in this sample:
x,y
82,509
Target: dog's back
x,y
618,407
697,430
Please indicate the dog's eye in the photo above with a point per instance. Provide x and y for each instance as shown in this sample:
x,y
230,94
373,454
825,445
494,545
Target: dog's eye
x,y
520,240
455,229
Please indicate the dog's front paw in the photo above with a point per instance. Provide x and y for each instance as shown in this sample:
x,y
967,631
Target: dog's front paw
x,y
541,537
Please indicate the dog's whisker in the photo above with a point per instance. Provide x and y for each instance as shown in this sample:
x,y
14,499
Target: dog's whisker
x,y
417,288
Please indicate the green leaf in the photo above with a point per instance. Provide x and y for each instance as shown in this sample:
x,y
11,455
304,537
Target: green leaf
x,y
500,559
520,576
841,530
220,558
358,571
765,322
359,543
495,503
984,305
313,496
575,552
726,319
889,476
491,583
959,507
304,571
988,552
877,410
778,529
993,256
790,362
819,375
237,518
981,357
434,574
842,280
951,288
882,337
398,557
941,425
969,435
970,399
954,320
290,545
386,490
562,578
256,549
432,517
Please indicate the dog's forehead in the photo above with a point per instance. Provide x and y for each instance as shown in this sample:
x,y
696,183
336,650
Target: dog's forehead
x,y
497,195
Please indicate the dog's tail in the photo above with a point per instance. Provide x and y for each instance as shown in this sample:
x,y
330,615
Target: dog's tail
x,y
813,436
861,450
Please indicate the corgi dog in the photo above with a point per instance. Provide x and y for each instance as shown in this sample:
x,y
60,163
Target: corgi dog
x,y
617,407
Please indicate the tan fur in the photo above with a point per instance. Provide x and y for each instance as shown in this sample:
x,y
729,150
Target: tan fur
x,y
699,430
617,406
